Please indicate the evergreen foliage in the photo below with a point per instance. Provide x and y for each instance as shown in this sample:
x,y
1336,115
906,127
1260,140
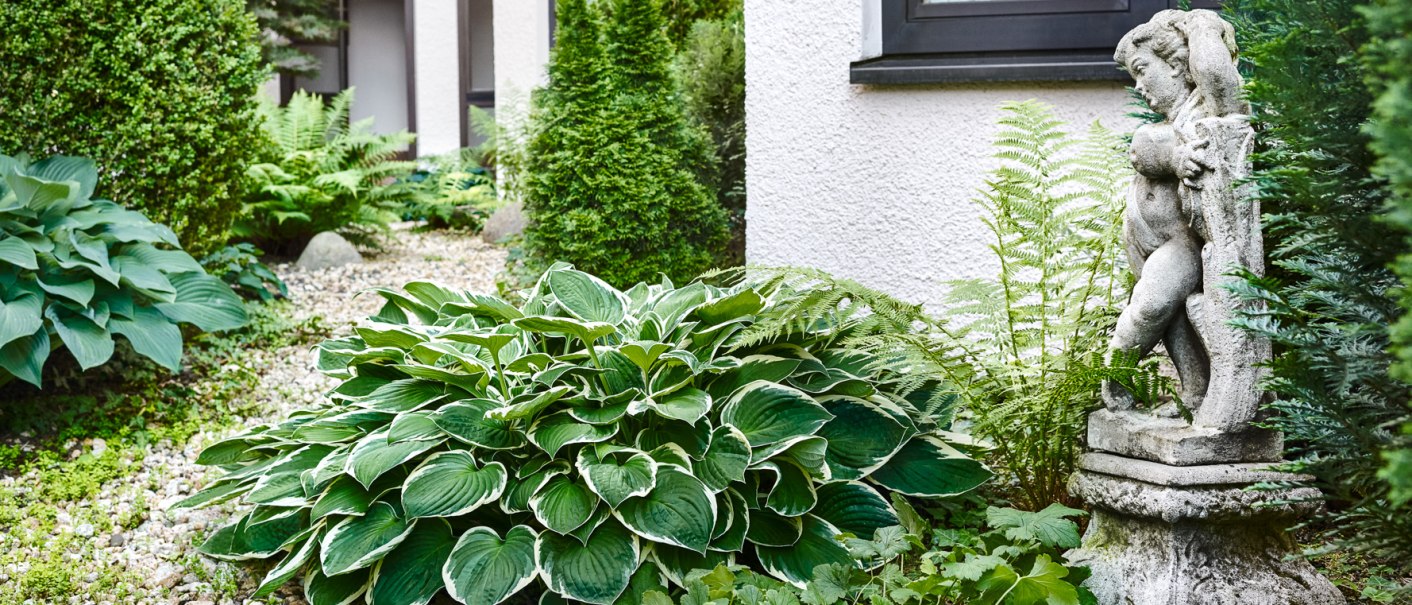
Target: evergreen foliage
x,y
160,94
711,67
1330,296
1026,356
612,174
283,23
683,14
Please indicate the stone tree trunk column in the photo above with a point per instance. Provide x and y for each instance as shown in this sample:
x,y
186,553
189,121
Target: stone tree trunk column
x,y
1175,520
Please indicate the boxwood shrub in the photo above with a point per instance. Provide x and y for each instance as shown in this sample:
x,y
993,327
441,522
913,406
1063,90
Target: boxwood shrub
x,y
77,271
587,443
159,93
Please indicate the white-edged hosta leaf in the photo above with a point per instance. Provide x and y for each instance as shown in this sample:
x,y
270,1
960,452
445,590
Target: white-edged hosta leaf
x,y
766,412
809,452
618,476
768,528
485,569
320,589
342,497
516,498
752,368
403,395
675,563
528,405
562,505
928,467
451,484
230,543
414,426
725,460
688,405
287,568
587,331
411,573
358,542
736,306
554,431
732,537
861,436
373,455
587,297
793,492
816,546
596,572
466,421
679,510
855,508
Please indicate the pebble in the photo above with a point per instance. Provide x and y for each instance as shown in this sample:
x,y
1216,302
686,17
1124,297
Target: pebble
x,y
85,530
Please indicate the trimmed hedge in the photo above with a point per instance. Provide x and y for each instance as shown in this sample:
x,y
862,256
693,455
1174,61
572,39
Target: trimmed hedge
x,y
160,93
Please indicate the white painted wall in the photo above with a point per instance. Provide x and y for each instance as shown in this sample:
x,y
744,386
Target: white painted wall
x,y
872,183
377,63
521,53
438,75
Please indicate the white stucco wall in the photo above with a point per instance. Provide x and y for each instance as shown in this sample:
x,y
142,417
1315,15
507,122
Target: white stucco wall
x,y
521,53
377,63
437,62
872,183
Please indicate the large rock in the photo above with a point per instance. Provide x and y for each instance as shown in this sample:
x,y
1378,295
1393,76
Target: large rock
x,y
508,221
328,249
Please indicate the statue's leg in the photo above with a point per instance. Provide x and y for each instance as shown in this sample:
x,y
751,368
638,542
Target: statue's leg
x,y
1171,273
1189,356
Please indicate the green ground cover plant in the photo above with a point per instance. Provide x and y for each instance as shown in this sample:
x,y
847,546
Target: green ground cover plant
x,y
586,443
327,174
452,192
76,272
161,93
615,179
239,266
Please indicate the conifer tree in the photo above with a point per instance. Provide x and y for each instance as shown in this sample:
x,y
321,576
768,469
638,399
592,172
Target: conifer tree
x,y
609,183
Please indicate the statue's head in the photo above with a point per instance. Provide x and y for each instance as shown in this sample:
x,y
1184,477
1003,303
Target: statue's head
x,y
1157,56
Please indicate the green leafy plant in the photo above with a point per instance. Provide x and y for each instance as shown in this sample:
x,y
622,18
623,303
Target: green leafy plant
x,y
161,93
1026,354
588,439
452,191
329,175
615,179
239,265
77,271
286,23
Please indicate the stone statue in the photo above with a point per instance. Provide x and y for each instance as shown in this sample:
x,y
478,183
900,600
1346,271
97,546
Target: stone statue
x,y
1186,226
1175,521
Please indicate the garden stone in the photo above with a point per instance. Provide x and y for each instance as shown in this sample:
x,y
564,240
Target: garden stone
x,y
326,250
1175,521
509,220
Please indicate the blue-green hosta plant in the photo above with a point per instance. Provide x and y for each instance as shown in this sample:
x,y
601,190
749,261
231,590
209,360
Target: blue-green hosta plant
x,y
76,272
586,442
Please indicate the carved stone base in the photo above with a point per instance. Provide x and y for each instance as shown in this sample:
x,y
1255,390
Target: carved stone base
x,y
1164,535
1173,441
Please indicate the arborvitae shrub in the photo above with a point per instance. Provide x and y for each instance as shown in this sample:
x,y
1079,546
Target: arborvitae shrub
x,y
161,94
711,67
613,176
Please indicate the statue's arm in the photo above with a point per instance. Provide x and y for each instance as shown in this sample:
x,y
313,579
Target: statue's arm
x,y
1213,69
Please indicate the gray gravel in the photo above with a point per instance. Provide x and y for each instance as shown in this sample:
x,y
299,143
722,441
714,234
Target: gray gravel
x,y
151,558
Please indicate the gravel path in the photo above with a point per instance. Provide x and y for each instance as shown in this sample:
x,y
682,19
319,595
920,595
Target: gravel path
x,y
155,562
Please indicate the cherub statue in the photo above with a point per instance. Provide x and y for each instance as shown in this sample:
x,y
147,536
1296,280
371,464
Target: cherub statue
x,y
1185,226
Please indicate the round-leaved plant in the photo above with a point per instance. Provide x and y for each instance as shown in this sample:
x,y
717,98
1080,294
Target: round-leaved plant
x,y
590,443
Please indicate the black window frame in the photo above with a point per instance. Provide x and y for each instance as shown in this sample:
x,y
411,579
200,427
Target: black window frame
x,y
1004,40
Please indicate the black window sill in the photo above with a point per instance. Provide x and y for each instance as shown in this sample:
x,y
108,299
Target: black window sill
x,y
1095,66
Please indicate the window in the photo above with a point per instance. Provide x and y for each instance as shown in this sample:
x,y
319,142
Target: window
x,y
1003,40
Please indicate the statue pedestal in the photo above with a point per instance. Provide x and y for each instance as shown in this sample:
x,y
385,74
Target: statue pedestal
x,y
1172,441
1193,535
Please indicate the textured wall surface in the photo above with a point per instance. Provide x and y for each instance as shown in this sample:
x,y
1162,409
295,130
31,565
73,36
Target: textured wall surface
x,y
521,52
873,183
437,62
377,63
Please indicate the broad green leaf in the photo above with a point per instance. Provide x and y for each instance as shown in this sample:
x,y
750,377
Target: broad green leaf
x,y
766,412
927,467
342,497
466,421
553,432
287,568
414,426
320,589
795,564
451,484
645,580
403,396
736,306
676,563
687,405
587,297
17,252
1044,583
24,357
725,459
373,455
151,334
358,542
768,528
89,343
205,301
854,508
483,568
389,335
77,288
679,510
809,452
562,505
516,498
20,317
529,404
230,543
585,331
617,477
411,573
861,436
752,368
793,492
596,572
1049,527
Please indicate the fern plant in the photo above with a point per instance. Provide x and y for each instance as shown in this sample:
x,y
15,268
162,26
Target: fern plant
x,y
1025,356
328,175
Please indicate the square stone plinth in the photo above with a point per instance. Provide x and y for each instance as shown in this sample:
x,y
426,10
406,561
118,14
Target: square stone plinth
x,y
1175,442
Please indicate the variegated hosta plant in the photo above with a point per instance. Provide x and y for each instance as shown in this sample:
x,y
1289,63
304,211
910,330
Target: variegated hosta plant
x,y
589,443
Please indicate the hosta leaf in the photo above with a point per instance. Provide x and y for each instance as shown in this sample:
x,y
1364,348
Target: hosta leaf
x,y
24,357
320,589
516,498
466,421
389,335
451,484
229,543
585,331
596,572
587,297
528,405
675,562
687,405
647,579
205,301
766,412
562,505
287,568
553,432
736,306
752,368
20,317
403,395
643,353
793,492
358,542
270,529
607,411
854,508
725,459
414,426
808,452
342,497
77,288
483,568
861,436
88,342
927,467
732,537
768,528
467,378
411,573
17,252
619,476
151,334
277,489
679,510
373,455
795,564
